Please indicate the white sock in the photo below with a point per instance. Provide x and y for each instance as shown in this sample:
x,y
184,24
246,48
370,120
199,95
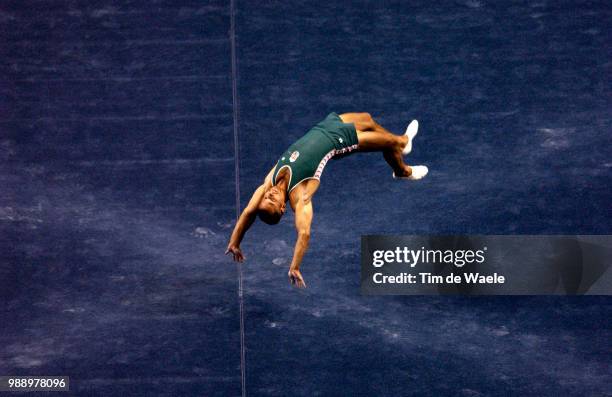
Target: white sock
x,y
418,172
411,132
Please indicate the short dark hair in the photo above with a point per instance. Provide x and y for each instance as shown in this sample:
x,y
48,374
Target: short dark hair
x,y
269,217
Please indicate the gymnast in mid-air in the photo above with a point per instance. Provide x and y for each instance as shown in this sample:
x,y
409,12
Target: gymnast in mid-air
x,y
297,174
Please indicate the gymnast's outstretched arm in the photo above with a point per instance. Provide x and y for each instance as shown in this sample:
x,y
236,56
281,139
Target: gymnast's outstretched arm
x,y
303,219
247,217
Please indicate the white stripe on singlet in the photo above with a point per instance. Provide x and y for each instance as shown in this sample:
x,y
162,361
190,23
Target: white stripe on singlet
x,y
328,156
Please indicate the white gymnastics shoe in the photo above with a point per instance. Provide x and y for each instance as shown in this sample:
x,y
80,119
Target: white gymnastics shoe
x,y
411,132
418,172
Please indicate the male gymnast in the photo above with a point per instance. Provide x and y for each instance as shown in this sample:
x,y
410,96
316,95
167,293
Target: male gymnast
x,y
296,176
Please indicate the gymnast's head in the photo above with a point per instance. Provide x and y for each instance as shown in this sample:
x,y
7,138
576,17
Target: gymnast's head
x,y
272,206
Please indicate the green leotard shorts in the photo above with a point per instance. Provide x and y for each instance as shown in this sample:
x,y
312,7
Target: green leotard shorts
x,y
307,157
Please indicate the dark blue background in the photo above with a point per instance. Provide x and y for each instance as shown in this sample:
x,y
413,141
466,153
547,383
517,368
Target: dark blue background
x,y
118,191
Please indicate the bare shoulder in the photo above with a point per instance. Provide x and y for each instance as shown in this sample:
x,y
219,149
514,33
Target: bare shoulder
x,y
303,192
311,187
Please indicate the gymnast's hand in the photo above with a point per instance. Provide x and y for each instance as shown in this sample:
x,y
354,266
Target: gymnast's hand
x,y
295,278
236,252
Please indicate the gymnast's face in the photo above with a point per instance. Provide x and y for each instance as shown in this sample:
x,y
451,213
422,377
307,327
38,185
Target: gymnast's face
x,y
274,196
272,206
